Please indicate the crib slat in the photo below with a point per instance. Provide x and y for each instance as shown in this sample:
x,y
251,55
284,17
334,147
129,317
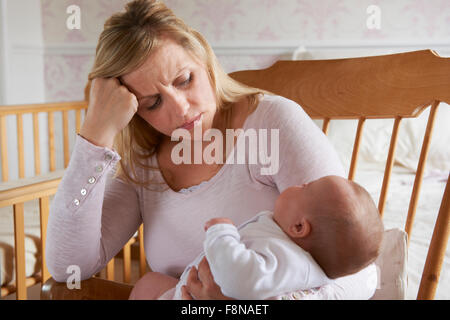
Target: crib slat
x,y
389,164
51,141
325,125
20,148
127,263
66,137
77,120
436,250
142,262
4,149
19,252
44,207
37,155
420,170
110,270
359,130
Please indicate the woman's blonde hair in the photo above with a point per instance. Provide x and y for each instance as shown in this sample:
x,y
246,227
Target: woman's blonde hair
x,y
126,42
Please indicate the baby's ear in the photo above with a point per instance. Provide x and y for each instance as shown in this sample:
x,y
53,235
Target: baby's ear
x,y
300,229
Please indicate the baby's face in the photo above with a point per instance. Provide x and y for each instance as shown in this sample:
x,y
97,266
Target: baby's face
x,y
298,202
292,202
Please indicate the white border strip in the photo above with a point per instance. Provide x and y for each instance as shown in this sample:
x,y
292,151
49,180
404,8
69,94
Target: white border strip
x,y
254,48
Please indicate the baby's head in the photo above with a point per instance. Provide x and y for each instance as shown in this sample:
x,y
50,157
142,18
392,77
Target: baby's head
x,y
335,220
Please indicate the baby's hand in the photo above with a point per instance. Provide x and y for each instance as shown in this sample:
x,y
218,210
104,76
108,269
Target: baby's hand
x,y
216,221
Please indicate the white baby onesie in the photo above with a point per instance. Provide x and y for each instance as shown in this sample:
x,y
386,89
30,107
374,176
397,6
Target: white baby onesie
x,y
257,262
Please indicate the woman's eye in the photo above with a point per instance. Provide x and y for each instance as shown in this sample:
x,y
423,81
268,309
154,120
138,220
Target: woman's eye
x,y
157,103
186,82
181,84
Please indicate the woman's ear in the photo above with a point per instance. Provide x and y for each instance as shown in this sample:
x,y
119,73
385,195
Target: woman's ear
x,y
300,229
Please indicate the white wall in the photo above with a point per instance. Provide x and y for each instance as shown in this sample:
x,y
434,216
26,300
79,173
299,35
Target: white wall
x,y
3,53
25,42
249,34
22,74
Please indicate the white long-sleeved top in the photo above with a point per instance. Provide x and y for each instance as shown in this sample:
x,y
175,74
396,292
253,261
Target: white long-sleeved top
x,y
257,262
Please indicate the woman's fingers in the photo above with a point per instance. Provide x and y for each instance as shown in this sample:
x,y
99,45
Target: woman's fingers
x,y
185,295
201,285
210,289
193,284
204,272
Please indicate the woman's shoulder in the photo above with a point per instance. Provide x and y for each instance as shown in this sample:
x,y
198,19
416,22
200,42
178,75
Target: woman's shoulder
x,y
274,110
268,101
274,98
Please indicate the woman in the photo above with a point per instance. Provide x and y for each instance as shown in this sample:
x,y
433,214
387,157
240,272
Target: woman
x,y
153,75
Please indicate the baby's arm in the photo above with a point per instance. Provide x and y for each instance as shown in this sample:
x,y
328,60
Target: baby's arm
x,y
241,273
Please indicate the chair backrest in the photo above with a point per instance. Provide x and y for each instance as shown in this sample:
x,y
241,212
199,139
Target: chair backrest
x,y
393,86
371,87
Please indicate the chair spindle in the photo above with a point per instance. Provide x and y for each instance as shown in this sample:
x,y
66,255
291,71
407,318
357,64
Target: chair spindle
x,y
420,170
359,130
389,164
436,250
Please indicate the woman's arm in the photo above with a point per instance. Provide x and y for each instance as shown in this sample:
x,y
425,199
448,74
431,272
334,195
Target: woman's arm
x,y
358,286
91,216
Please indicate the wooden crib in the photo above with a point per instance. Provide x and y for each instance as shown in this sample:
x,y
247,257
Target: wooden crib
x,y
42,187
392,86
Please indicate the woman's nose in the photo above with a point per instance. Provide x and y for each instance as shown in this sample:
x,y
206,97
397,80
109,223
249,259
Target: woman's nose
x,y
179,104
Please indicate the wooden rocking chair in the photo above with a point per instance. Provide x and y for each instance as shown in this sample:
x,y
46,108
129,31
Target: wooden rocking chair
x,y
393,86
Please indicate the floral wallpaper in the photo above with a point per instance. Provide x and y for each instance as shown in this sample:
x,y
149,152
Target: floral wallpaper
x,y
236,23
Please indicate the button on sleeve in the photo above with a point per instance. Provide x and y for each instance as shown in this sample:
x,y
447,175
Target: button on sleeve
x,y
88,165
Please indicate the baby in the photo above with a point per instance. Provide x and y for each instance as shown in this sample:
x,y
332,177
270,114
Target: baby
x,y
319,231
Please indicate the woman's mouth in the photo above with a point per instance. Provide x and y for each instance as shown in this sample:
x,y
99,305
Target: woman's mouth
x,y
192,123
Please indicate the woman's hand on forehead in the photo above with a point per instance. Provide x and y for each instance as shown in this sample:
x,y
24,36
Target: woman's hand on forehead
x,y
111,107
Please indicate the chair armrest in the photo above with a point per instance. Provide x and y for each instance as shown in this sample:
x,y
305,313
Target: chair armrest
x,y
91,289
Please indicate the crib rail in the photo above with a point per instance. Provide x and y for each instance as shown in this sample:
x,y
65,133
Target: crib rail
x,y
42,187
16,196
18,111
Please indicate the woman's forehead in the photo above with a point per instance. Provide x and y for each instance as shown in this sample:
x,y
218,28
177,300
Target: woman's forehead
x,y
161,67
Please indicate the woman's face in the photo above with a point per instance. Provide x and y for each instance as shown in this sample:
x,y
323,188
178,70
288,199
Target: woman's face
x,y
173,90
